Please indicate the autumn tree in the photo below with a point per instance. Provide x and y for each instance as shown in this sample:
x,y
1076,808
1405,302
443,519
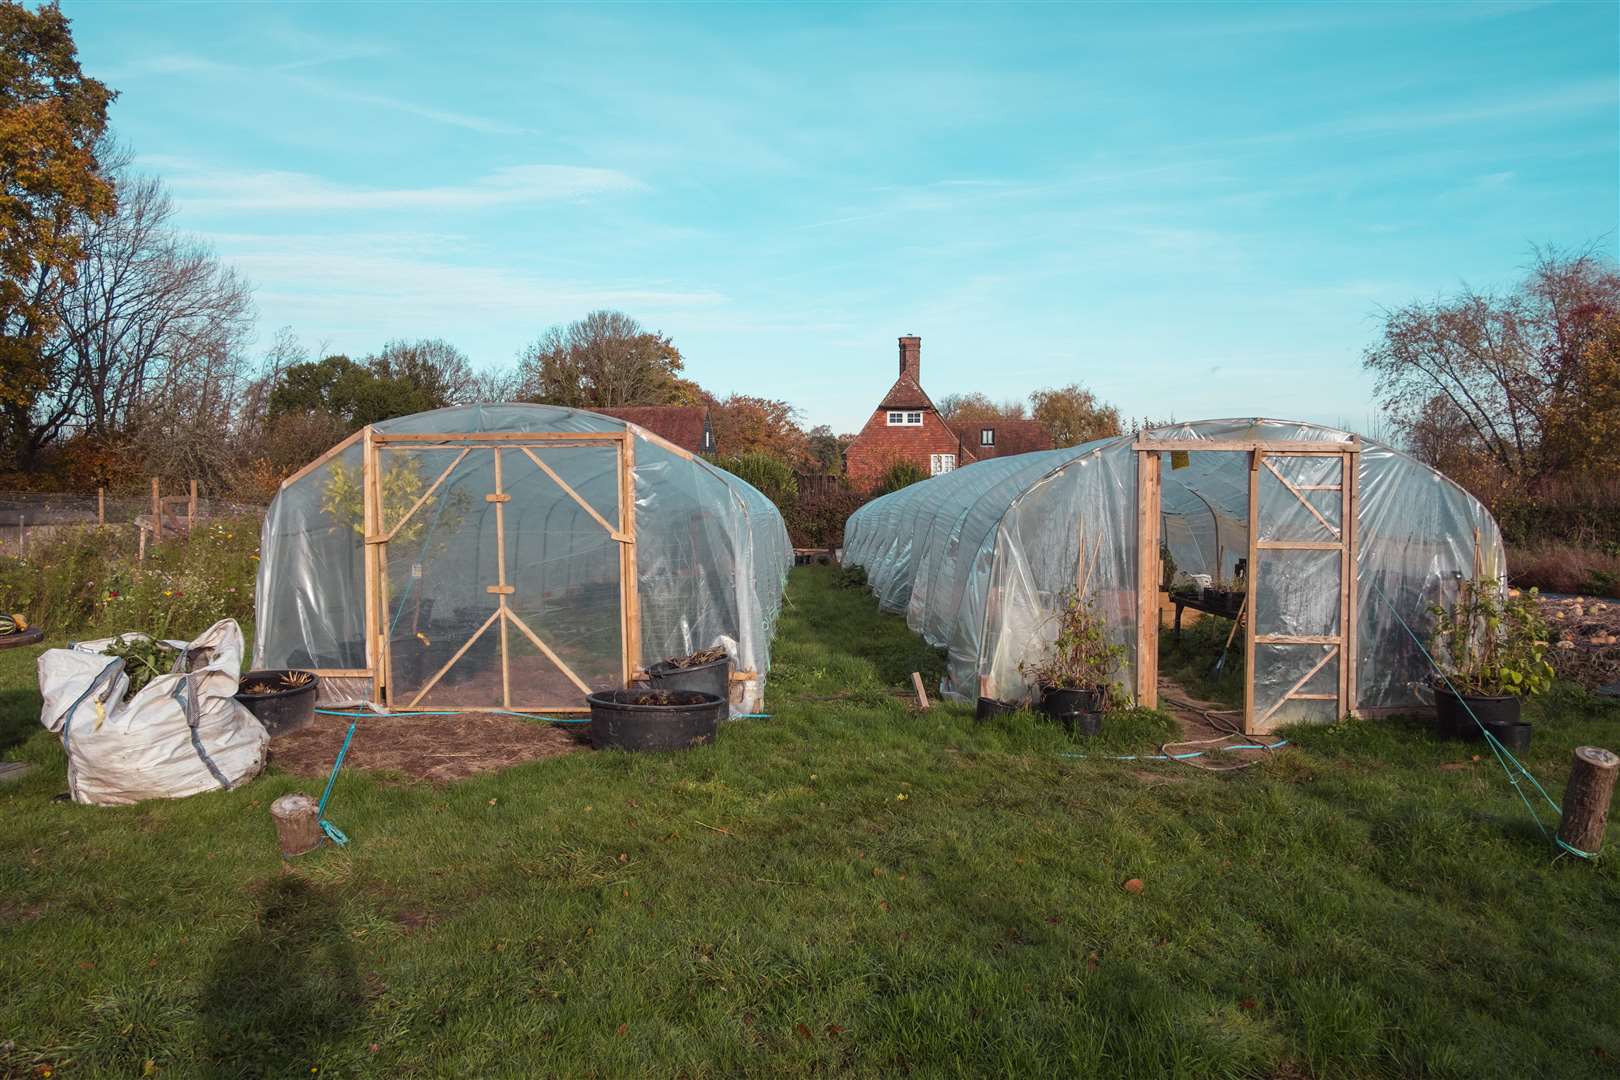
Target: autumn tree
x,y
440,372
1516,378
52,189
975,407
745,424
604,360
1073,415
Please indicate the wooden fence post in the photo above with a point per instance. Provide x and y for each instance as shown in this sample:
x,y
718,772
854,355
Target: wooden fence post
x,y
22,534
101,506
1586,799
157,511
191,509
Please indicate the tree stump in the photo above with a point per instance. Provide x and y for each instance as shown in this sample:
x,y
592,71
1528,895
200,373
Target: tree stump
x,y
1586,799
298,824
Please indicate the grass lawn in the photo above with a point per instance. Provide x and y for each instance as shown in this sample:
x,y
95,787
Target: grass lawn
x,y
848,887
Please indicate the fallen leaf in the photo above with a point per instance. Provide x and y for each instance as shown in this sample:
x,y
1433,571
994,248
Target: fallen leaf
x,y
624,1029
802,1031
884,904
373,1048
834,1030
1092,960
1133,886
748,1020
1054,919
1248,1004
623,857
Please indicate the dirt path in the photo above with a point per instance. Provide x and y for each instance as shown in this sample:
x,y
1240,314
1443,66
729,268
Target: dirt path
x,y
1197,727
437,748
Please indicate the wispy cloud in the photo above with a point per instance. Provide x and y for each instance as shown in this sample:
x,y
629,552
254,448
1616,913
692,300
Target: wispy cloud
x,y
206,189
335,92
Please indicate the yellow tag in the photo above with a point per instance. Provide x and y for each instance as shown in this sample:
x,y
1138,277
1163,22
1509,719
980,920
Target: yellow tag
x,y
101,713
1178,459
424,638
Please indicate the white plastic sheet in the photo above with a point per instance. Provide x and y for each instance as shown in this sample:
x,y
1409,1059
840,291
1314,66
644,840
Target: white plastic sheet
x,y
978,559
181,734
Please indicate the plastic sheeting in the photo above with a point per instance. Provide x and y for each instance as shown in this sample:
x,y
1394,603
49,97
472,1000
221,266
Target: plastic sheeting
x,y
978,559
712,556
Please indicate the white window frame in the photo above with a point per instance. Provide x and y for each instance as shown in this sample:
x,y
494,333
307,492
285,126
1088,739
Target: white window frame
x,y
987,436
940,464
905,418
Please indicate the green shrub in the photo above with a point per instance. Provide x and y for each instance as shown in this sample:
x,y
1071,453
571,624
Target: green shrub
x,y
900,474
771,475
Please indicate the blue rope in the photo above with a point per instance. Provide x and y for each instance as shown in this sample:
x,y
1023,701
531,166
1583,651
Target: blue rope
x,y
461,712
327,827
1504,757
1280,743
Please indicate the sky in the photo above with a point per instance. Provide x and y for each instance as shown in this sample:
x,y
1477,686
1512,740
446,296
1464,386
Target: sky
x,y
1197,211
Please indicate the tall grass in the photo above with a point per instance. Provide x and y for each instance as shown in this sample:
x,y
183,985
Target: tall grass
x,y
1567,568
87,580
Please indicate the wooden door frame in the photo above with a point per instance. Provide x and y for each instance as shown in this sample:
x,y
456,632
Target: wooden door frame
x,y
378,647
1149,514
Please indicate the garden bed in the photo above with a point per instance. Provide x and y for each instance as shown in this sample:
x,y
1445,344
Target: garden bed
x,y
437,748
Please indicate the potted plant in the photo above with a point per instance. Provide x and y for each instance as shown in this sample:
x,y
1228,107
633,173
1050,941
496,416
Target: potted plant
x,y
1492,651
281,699
1076,676
708,670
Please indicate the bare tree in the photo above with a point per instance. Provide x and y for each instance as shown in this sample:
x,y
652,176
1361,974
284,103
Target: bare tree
x,y
436,367
1500,374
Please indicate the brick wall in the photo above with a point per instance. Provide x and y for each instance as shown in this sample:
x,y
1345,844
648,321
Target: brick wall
x,y
878,446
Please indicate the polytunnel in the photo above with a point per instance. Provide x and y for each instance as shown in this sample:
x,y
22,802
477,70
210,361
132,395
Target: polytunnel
x,y
513,557
980,559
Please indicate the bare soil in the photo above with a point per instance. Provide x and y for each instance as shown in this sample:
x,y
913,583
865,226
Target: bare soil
x,y
1586,638
436,748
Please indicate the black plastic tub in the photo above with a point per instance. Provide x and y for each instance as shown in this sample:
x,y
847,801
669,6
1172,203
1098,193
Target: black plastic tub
x,y
1452,719
1513,734
711,678
283,709
654,719
990,708
1079,711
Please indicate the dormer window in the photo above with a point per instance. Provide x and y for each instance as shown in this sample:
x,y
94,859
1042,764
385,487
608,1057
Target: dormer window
x,y
987,436
904,418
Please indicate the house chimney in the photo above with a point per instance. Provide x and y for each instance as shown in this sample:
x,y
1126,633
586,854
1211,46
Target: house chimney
x,y
911,358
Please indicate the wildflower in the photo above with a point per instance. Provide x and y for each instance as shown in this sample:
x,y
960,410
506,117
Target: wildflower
x,y
168,592
902,797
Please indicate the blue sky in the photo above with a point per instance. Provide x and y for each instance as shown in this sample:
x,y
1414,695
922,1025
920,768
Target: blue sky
x,y
1196,210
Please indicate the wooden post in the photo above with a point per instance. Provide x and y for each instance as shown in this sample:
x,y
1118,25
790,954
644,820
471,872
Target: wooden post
x,y
22,533
298,824
917,685
1586,799
191,508
499,498
101,506
629,578
1148,576
140,556
1250,576
157,511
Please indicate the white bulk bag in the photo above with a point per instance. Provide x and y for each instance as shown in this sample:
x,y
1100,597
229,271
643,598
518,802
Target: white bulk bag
x,y
181,734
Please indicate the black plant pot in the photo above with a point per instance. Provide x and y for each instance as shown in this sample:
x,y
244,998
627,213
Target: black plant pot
x,y
654,719
1451,712
711,678
1513,734
990,708
1079,711
281,710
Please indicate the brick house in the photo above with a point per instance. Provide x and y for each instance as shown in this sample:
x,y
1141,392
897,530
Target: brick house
x,y
906,426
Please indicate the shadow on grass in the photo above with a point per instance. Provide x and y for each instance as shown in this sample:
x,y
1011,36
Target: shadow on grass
x,y
19,717
284,989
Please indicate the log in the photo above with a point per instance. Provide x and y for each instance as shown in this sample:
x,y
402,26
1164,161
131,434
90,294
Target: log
x,y
1586,799
298,824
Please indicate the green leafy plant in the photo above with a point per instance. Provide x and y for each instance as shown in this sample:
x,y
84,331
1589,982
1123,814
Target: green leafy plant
x,y
898,475
145,658
401,483
1490,643
1082,657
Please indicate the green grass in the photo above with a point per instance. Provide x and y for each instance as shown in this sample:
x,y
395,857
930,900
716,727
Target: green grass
x,y
892,892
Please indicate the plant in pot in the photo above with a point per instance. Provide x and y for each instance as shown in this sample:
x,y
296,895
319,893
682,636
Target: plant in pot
x,y
1492,651
1076,675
